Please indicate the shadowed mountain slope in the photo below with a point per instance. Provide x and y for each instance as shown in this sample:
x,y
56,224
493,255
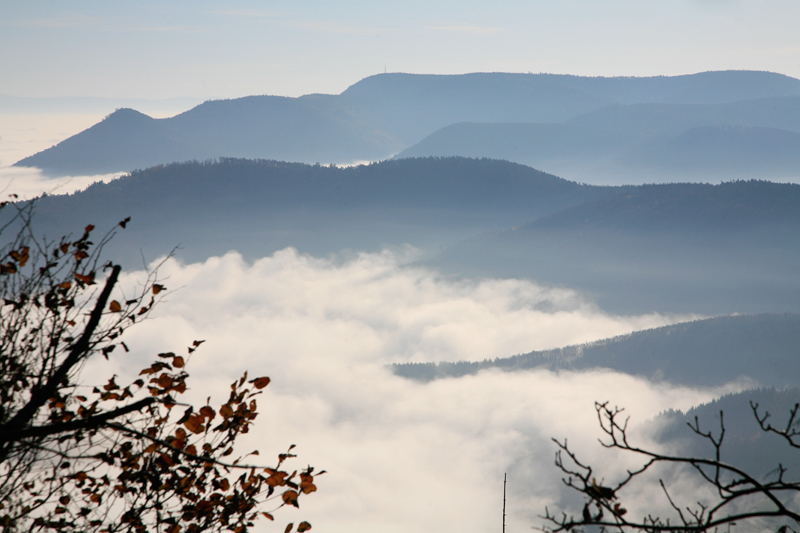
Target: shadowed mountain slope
x,y
377,117
713,249
745,444
705,353
257,207
687,248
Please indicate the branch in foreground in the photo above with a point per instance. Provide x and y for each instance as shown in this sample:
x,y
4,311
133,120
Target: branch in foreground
x,y
735,488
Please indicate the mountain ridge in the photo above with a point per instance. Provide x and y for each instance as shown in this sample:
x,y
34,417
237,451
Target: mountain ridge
x,y
707,352
640,142
379,116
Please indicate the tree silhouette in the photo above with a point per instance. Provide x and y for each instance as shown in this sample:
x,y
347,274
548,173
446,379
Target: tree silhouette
x,y
117,457
729,496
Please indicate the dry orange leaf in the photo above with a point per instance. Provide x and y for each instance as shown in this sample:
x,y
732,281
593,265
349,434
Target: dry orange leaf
x,y
195,424
260,383
290,497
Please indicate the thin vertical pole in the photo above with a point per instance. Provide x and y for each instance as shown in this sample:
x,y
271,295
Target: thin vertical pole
x,y
504,502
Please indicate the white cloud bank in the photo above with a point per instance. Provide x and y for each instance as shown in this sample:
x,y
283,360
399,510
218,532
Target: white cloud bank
x,y
22,135
28,183
401,456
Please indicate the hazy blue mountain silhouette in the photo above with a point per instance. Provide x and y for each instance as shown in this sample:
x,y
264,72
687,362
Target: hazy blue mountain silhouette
x,y
310,129
257,207
733,247
563,148
718,152
673,119
377,117
706,353
435,101
688,248
641,142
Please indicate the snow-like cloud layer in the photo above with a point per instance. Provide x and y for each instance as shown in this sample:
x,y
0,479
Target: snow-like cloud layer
x,y
401,456
22,135
29,183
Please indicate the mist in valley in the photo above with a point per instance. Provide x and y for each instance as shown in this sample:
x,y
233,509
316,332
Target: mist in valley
x,y
443,263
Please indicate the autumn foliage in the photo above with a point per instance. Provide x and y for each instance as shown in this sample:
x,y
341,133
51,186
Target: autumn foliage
x,y
116,457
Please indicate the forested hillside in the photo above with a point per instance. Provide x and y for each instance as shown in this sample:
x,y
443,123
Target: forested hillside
x,y
701,248
745,445
688,248
257,207
705,353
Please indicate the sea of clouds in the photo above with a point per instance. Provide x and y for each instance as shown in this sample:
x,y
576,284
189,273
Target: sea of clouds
x,y
22,135
401,456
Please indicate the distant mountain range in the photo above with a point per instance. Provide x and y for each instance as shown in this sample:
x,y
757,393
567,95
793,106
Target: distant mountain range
x,y
703,353
555,118
642,143
709,249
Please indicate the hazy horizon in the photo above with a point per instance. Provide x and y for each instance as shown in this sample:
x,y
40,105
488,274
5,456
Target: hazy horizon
x,y
162,51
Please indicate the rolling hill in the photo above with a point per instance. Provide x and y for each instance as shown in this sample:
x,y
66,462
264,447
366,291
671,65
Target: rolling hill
x,y
642,143
676,248
712,249
702,353
259,206
378,117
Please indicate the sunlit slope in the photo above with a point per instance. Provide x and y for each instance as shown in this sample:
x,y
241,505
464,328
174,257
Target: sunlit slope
x,y
706,353
713,249
378,117
642,143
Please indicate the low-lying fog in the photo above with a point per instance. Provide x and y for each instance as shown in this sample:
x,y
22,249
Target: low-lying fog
x,y
401,456
22,135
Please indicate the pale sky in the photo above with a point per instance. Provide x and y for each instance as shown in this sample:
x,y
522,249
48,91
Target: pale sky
x,y
205,49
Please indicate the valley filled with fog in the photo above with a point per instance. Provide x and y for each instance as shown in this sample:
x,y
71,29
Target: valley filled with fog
x,y
442,273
